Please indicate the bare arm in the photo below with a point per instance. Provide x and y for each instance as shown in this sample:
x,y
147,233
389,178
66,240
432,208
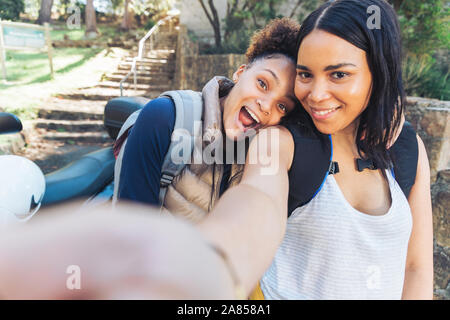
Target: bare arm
x,y
419,261
249,220
132,253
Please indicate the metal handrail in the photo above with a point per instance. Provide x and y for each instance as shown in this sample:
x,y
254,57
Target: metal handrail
x,y
141,52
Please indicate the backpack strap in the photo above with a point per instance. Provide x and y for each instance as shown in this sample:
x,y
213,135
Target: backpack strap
x,y
313,163
188,114
405,155
122,136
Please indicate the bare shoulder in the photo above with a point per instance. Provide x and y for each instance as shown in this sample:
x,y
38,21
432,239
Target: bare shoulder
x,y
274,142
423,166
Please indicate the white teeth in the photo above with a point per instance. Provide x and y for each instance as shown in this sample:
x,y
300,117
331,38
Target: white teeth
x,y
252,114
324,112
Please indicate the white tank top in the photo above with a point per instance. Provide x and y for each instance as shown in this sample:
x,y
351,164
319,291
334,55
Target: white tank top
x,y
333,251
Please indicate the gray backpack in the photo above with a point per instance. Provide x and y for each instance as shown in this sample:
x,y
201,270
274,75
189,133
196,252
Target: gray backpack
x,y
188,110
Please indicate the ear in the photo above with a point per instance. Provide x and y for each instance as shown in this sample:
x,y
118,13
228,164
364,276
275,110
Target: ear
x,y
238,72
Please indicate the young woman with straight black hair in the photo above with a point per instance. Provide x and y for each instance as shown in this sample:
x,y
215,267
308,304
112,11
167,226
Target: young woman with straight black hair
x,y
360,236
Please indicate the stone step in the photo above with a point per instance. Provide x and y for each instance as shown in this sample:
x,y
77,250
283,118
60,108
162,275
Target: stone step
x,y
166,56
156,87
82,105
69,125
141,79
163,68
151,61
93,94
145,72
78,137
68,115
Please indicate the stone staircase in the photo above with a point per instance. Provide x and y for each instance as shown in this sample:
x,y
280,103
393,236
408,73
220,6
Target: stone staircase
x,y
155,72
70,124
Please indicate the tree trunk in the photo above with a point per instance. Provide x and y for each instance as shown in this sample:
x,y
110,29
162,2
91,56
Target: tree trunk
x,y
45,11
91,22
397,4
294,11
126,17
214,20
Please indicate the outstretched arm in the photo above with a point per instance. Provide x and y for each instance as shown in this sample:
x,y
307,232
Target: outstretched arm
x,y
132,253
248,222
140,255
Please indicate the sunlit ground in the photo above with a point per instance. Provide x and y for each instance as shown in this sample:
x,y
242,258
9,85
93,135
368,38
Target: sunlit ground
x,y
29,79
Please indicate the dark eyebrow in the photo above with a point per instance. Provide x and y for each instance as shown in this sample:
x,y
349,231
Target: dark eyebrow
x,y
337,66
273,74
328,68
299,66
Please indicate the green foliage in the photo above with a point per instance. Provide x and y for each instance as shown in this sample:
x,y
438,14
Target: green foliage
x,y
244,17
307,7
425,76
11,9
426,42
425,25
149,24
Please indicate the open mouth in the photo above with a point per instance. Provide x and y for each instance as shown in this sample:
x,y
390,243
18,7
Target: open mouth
x,y
248,119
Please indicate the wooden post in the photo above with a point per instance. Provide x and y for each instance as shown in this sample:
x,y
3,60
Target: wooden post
x,y
48,41
2,52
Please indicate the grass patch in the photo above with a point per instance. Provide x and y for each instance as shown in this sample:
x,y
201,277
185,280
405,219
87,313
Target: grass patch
x,y
33,67
60,31
29,83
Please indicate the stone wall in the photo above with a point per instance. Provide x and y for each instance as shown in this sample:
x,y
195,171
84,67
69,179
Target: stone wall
x,y
431,120
194,70
429,117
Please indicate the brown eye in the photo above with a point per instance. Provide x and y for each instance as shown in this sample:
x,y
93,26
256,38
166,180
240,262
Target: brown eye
x,y
282,107
339,75
262,84
304,75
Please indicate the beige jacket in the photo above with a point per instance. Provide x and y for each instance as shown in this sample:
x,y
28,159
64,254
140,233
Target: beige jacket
x,y
195,191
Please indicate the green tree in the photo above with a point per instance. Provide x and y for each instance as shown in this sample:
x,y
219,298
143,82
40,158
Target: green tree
x,y
426,42
424,25
243,17
45,12
11,9
91,21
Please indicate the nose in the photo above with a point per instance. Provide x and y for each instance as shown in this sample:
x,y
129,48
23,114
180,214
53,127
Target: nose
x,y
318,91
263,106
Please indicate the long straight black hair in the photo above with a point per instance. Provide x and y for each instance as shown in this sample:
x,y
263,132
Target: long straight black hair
x,y
352,21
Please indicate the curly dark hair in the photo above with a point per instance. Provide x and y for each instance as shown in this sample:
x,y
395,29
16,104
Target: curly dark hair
x,y
279,36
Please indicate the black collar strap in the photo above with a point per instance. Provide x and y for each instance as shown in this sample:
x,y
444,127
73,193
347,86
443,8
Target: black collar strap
x,y
362,164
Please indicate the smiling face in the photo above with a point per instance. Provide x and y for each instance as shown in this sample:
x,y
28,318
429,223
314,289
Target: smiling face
x,y
262,95
333,81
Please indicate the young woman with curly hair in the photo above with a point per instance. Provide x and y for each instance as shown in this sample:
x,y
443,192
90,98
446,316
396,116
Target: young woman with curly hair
x,y
260,95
